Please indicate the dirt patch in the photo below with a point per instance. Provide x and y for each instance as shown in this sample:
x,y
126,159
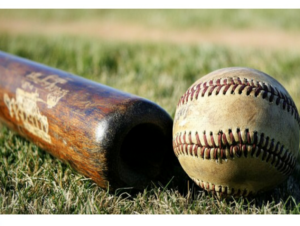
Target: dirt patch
x,y
129,32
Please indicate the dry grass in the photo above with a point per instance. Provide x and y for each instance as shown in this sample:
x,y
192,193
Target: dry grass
x,y
33,182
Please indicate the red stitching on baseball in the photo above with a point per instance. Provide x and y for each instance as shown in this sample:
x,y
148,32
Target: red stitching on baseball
x,y
247,145
222,190
267,92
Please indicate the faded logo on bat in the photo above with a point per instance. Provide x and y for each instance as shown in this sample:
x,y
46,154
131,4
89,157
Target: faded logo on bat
x,y
25,106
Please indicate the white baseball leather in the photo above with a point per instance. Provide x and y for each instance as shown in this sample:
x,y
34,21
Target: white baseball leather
x,y
236,132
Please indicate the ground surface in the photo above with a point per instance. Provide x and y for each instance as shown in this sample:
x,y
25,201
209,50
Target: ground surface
x,y
237,28
134,32
154,54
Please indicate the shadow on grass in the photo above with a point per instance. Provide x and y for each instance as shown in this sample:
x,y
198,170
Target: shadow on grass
x,y
285,198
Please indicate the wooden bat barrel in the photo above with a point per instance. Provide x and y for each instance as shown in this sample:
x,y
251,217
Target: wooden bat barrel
x,y
115,138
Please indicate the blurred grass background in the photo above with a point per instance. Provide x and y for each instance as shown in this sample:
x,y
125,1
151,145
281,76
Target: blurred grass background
x,y
31,181
175,18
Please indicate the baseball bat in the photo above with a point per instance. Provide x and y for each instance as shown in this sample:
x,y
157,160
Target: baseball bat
x,y
115,138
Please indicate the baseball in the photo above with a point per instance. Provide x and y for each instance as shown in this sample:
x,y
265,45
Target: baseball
x,y
236,132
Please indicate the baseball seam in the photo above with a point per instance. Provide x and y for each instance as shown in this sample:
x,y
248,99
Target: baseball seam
x,y
247,86
235,145
221,189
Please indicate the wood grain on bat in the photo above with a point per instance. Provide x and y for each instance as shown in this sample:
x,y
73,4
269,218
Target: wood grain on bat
x,y
115,138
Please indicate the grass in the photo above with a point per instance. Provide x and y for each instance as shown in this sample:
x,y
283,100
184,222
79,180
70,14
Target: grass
x,y
32,181
283,19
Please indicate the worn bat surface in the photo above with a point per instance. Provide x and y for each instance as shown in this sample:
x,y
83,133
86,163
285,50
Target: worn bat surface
x,y
115,138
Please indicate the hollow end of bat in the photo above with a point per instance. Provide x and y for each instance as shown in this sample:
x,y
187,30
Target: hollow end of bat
x,y
143,150
145,146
